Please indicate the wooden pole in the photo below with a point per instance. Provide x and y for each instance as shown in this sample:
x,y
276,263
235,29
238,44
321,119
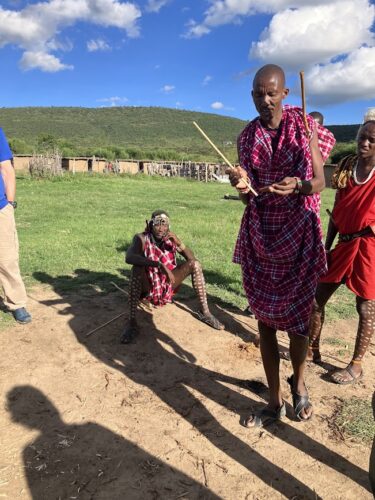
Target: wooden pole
x,y
221,154
302,79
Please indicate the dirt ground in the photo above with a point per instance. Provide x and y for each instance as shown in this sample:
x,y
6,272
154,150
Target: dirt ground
x,y
87,418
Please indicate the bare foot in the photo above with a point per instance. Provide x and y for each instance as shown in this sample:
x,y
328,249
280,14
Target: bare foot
x,y
130,332
210,320
349,375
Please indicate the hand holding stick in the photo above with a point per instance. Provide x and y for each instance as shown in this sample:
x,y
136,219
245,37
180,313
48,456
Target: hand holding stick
x,y
302,78
223,157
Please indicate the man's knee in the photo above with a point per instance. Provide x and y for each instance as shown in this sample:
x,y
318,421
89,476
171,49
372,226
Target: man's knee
x,y
317,307
194,265
365,309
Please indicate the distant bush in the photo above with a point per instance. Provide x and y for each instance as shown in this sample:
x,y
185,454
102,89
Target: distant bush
x,y
341,150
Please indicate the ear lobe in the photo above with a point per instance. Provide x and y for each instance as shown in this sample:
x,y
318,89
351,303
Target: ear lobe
x,y
285,93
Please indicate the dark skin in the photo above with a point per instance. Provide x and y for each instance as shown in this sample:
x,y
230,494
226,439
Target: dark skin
x,y
135,256
268,93
366,162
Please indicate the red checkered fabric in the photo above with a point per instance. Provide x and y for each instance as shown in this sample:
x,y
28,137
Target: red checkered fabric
x,y
279,245
161,291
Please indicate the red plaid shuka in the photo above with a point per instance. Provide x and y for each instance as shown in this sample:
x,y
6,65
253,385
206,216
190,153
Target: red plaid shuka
x,y
161,291
280,245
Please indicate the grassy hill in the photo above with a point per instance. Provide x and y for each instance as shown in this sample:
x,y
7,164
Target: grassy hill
x,y
127,131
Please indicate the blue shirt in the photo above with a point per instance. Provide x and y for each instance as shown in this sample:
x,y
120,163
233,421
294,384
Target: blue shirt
x,y
5,154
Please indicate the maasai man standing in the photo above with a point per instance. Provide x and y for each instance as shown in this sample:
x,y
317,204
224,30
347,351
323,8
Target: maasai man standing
x,y
156,274
279,245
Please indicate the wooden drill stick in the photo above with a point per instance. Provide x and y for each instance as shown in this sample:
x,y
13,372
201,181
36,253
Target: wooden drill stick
x,y
223,157
302,78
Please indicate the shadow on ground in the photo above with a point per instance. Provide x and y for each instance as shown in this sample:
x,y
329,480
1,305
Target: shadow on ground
x,y
171,373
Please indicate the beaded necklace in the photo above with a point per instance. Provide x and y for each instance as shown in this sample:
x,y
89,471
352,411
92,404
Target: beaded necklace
x,y
366,180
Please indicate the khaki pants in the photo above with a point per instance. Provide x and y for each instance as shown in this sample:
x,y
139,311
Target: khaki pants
x,y
10,277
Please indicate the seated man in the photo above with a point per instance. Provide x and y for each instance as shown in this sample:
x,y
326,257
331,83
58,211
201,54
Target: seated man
x,y
156,275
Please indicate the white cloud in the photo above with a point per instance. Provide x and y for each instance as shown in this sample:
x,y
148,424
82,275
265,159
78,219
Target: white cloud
x,y
41,60
323,32
217,105
332,40
34,28
168,88
206,80
99,44
156,5
223,12
113,101
341,81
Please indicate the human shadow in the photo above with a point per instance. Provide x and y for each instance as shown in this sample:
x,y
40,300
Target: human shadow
x,y
157,362
89,461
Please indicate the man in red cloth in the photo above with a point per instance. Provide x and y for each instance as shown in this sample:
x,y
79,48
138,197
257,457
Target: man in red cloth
x,y
279,245
156,275
353,259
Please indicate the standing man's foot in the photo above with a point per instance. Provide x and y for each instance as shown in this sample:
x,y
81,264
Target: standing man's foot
x,y
303,409
313,355
349,375
130,332
21,316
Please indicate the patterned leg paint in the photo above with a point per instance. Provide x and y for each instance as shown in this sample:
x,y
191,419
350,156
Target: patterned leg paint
x,y
366,328
199,286
135,291
323,293
316,325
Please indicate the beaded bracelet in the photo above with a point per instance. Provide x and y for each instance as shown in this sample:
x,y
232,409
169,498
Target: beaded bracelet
x,y
299,185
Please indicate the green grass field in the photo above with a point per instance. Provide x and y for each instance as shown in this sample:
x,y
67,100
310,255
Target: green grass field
x,y
73,231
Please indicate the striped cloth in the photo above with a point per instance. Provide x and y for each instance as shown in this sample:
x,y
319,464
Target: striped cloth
x,y
161,291
280,245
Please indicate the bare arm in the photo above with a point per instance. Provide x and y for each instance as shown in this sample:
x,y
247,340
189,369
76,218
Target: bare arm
x,y
183,250
9,177
317,183
134,254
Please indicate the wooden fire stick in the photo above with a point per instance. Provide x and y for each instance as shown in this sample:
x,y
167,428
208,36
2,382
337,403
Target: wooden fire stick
x,y
223,157
302,78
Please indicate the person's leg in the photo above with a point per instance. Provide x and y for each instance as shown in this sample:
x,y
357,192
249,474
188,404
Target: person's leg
x,y
298,350
10,276
138,285
271,361
323,293
366,328
194,268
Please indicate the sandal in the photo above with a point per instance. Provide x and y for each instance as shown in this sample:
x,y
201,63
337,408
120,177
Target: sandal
x,y
128,334
348,370
210,320
264,417
299,402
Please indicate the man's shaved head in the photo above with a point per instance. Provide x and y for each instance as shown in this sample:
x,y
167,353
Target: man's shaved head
x,y
270,71
318,117
268,93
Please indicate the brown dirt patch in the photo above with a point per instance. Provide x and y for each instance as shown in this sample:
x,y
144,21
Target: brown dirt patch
x,y
88,418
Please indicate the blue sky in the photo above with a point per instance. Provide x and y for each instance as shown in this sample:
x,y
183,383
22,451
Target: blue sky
x,y
195,55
